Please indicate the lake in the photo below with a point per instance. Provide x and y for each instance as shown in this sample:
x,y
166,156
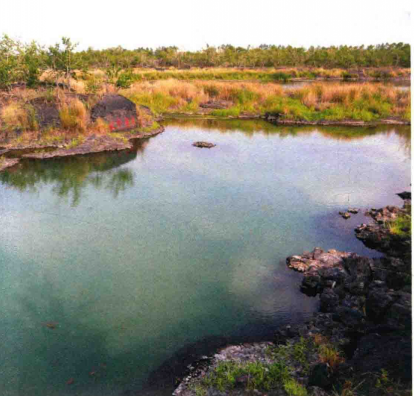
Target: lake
x,y
115,264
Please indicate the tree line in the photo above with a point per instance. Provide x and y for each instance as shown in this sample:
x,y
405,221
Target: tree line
x,y
25,62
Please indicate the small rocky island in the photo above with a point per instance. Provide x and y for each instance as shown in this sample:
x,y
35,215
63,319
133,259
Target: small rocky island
x,y
359,343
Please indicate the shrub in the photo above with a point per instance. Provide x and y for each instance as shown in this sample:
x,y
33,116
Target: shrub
x,y
125,79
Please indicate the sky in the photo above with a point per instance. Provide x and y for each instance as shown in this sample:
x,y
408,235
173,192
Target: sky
x,y
193,24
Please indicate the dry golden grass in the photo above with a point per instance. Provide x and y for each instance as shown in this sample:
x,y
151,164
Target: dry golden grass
x,y
330,355
73,115
100,127
319,339
16,115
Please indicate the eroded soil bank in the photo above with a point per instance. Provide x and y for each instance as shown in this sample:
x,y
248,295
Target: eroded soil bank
x,y
359,343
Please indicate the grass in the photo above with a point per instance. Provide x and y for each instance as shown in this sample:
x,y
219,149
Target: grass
x,y
73,116
401,227
75,142
293,388
330,355
366,102
18,116
255,375
151,128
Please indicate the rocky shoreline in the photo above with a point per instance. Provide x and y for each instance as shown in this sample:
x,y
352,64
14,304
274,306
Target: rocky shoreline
x,y
358,343
92,144
122,121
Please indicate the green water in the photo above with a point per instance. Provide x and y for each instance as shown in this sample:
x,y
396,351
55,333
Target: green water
x,y
133,256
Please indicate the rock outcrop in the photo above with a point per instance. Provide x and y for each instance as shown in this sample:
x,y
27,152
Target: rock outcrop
x,y
121,113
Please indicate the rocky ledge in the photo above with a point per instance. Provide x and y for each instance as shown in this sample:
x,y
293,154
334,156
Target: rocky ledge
x,y
378,236
359,343
91,144
7,163
278,119
97,144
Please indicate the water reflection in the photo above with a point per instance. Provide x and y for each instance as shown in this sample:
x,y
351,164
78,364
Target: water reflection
x,y
251,127
69,176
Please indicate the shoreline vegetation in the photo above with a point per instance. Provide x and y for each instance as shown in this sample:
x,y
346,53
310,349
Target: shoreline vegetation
x,y
58,122
47,95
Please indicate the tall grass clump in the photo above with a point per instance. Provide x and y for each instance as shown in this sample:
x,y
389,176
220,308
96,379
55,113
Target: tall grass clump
x,y
73,115
19,116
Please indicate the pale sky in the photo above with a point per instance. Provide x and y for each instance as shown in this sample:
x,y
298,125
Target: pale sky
x,y
191,24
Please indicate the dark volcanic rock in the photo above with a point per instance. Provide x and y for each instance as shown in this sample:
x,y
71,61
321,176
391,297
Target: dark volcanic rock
x,y
388,352
329,301
378,236
353,210
216,104
345,215
119,112
320,376
203,144
405,195
47,112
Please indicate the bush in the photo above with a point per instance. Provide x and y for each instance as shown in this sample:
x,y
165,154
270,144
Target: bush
x,y
125,79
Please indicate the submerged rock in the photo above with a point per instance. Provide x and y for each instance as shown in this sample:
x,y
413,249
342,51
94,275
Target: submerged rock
x,y
203,144
345,215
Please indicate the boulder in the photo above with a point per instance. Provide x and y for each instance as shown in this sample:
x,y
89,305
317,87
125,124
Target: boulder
x,y
47,112
119,112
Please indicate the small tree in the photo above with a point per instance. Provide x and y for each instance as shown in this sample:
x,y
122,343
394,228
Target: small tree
x,y
63,61
10,51
33,63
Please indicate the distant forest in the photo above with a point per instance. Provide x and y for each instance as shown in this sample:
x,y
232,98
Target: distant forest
x,y
397,54
25,62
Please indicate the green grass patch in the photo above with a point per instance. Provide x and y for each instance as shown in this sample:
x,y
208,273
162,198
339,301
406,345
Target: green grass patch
x,y
150,128
158,102
401,227
231,112
255,375
75,142
293,388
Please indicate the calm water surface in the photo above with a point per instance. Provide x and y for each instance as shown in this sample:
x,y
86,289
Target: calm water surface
x,y
112,263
